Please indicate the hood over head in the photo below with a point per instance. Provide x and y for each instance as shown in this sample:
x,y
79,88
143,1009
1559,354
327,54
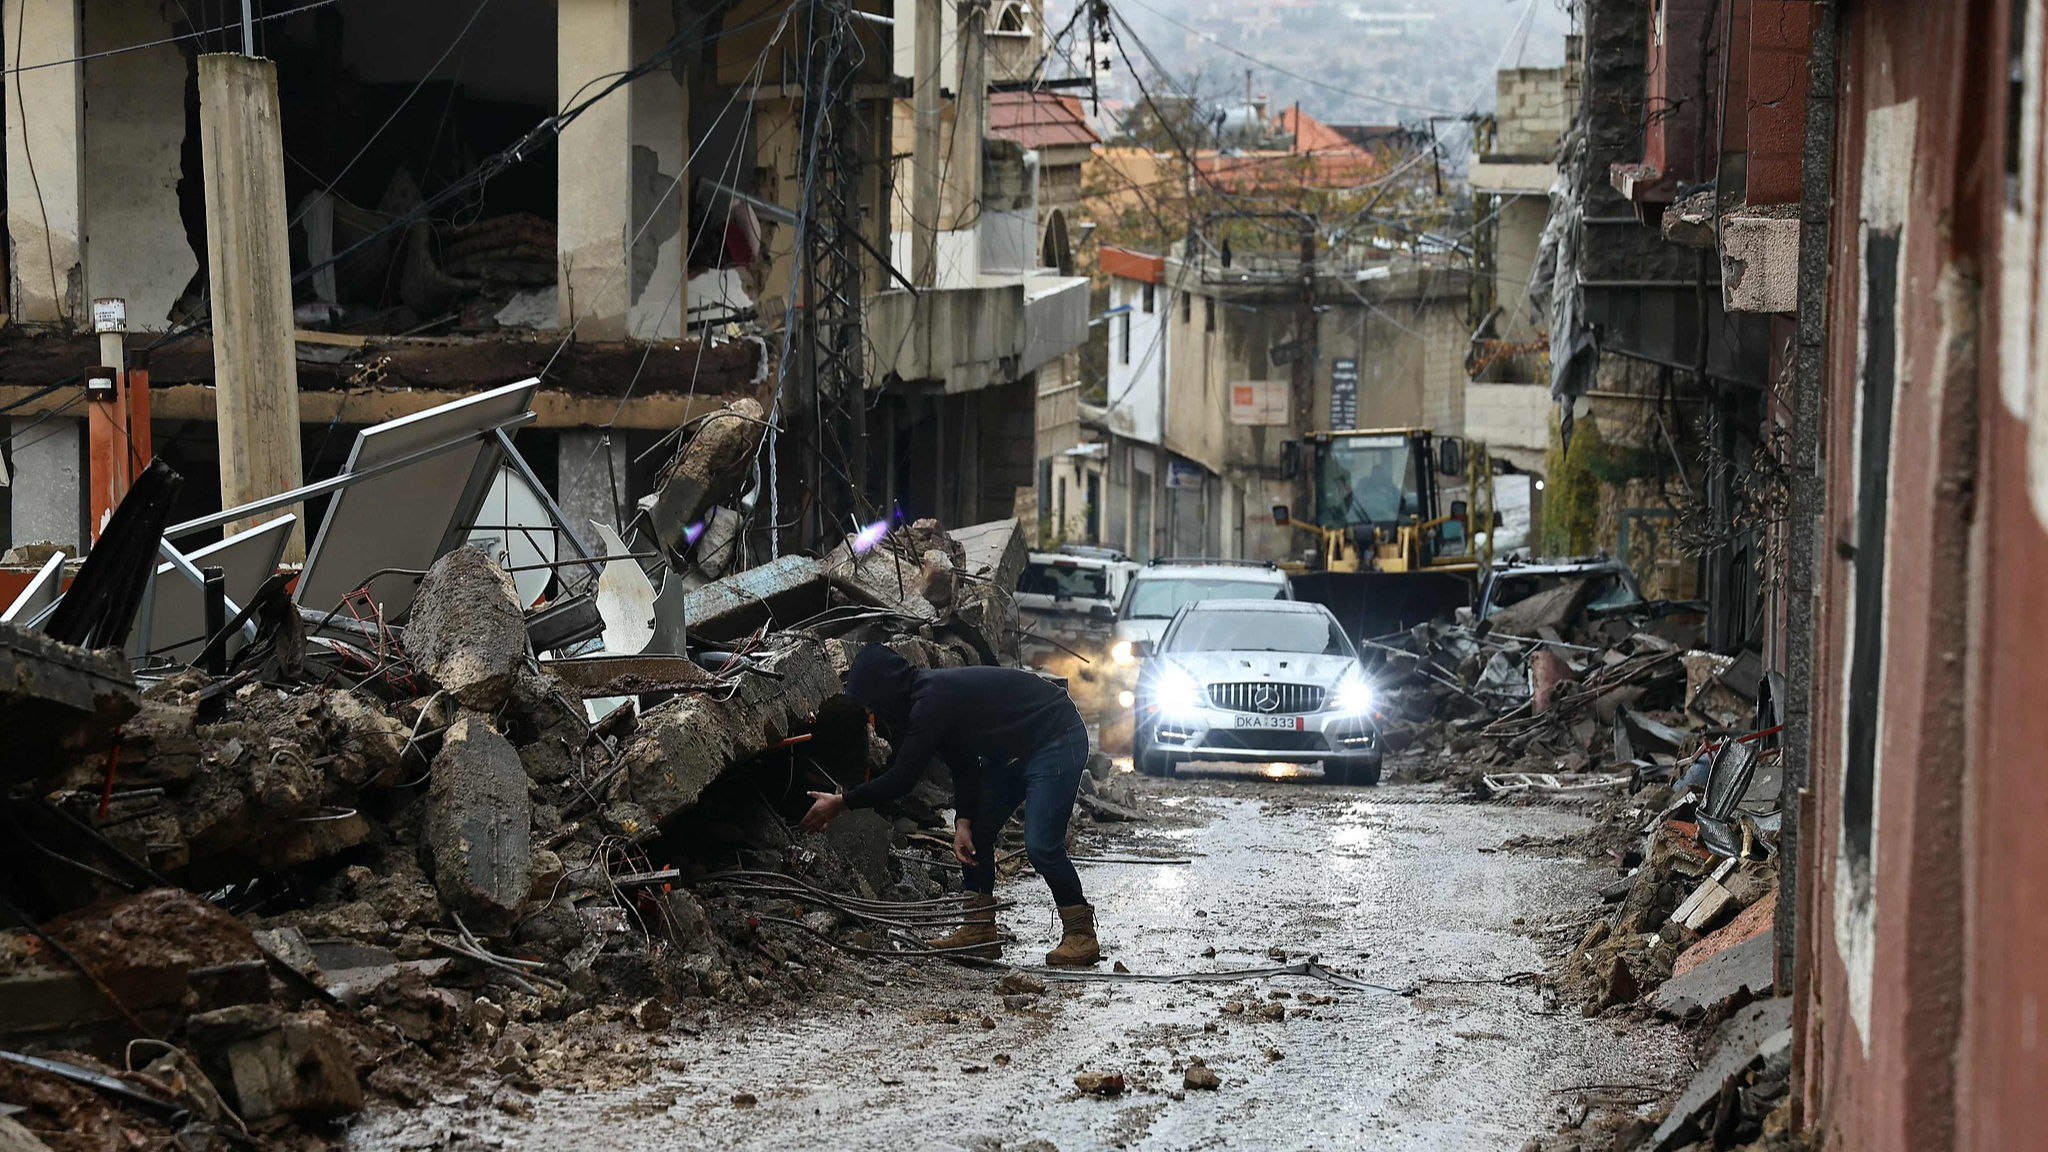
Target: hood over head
x,y
883,681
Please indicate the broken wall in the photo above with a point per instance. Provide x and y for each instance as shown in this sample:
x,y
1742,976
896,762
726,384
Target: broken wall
x,y
134,160
45,144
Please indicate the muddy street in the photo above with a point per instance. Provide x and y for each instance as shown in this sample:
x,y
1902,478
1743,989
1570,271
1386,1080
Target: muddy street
x,y
1401,886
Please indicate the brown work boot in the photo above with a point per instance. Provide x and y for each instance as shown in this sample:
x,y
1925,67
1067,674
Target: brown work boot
x,y
1078,945
978,934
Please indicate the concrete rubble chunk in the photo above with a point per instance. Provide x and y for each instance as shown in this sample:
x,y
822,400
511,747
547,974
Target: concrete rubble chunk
x,y
467,633
1760,1030
57,702
994,552
683,745
780,592
478,827
278,1065
15,1138
708,471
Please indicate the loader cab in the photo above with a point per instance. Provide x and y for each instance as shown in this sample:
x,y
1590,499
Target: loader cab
x,y
1367,486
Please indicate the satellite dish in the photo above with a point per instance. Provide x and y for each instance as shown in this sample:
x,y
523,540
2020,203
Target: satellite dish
x,y
513,528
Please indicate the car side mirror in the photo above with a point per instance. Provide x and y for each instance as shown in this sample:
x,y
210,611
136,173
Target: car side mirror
x,y
1281,516
1143,649
1102,612
1290,459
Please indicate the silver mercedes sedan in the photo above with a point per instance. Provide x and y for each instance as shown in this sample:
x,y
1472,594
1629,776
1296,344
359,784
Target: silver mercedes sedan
x,y
1257,680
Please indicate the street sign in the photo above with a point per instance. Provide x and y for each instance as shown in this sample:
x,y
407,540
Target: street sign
x,y
1343,395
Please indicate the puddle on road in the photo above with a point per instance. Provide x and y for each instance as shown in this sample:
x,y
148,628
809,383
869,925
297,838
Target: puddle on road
x,y
1395,893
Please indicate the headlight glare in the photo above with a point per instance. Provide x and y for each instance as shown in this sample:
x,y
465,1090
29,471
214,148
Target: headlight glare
x,y
1353,696
1120,652
1179,693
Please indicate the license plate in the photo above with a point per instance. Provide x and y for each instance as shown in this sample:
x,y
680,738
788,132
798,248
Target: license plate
x,y
1286,723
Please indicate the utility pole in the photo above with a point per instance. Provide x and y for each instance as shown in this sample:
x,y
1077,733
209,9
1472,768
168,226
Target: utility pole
x,y
924,146
1303,381
832,265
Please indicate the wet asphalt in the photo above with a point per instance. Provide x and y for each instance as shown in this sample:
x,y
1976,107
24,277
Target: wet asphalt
x,y
1402,885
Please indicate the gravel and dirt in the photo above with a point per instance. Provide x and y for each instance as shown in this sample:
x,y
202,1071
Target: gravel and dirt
x,y
1406,886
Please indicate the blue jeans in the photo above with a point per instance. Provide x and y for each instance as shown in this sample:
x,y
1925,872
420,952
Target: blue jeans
x,y
1045,782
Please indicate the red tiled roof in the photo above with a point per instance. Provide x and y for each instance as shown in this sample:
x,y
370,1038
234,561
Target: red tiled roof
x,y
1311,134
1040,120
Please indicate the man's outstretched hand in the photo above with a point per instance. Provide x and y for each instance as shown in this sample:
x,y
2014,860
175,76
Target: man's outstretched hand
x,y
825,808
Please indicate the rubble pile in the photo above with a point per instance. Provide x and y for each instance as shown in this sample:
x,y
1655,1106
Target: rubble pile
x,y
1670,750
250,898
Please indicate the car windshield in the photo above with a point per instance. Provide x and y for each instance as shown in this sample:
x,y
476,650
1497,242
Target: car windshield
x,y
1159,599
1065,581
1226,631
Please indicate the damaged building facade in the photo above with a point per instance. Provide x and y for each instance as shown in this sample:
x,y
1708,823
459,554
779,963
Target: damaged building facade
x,y
1807,235
453,226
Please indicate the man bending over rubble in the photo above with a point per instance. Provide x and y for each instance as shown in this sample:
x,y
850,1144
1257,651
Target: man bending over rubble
x,y
1009,736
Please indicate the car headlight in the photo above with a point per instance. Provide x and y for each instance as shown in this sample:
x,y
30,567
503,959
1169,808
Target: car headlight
x,y
1120,652
1178,693
1126,698
1353,695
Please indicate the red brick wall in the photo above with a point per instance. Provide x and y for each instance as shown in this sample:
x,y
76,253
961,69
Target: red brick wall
x,y
1949,1056
1780,41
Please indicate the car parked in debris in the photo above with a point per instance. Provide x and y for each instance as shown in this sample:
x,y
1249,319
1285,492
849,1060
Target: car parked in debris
x,y
1066,604
1511,582
1157,591
1257,680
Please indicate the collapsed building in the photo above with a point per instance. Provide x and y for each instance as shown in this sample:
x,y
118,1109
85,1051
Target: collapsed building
x,y
314,849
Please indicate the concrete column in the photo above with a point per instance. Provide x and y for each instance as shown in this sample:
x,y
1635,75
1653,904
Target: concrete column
x,y
660,108
45,162
249,262
588,463
594,42
134,135
48,481
970,118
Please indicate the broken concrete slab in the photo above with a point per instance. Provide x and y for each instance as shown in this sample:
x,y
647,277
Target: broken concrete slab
x,y
478,828
683,745
466,632
57,703
1760,1030
882,577
1747,966
994,552
780,591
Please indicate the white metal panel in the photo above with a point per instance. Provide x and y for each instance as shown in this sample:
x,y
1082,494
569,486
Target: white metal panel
x,y
404,518
177,614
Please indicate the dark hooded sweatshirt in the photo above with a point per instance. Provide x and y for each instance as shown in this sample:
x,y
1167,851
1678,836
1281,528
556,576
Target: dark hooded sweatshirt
x,y
961,715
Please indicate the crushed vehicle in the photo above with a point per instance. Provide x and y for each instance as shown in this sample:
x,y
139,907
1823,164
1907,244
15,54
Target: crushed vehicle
x,y
1257,680
1066,603
1159,590
1610,583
